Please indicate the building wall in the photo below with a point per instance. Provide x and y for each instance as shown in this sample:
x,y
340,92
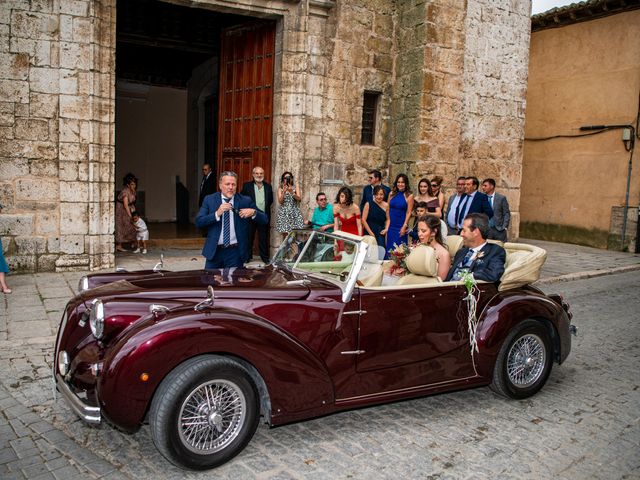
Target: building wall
x,y
451,75
587,73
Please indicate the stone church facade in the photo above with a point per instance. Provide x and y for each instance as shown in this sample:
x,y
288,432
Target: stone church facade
x,y
448,80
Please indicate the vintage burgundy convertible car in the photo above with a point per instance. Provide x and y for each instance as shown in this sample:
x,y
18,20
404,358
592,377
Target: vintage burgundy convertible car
x,y
202,356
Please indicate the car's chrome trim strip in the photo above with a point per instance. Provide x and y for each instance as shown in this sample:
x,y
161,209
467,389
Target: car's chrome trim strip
x,y
355,312
404,390
86,412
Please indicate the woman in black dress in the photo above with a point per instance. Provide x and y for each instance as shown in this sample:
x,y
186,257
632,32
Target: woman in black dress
x,y
375,216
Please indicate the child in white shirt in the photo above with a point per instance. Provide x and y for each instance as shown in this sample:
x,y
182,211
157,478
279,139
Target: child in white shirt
x,y
142,233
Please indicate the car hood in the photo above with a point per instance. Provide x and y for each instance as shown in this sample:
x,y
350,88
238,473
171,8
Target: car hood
x,y
268,283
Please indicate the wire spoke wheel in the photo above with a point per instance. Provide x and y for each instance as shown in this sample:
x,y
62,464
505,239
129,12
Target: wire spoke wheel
x,y
526,360
204,412
211,416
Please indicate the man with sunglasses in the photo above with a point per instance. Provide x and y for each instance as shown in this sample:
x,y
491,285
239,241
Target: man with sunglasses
x,y
322,218
375,179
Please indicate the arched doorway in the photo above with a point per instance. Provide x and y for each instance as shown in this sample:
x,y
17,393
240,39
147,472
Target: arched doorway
x,y
187,95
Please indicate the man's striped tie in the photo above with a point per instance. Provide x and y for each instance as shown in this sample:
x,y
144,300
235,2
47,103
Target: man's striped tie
x,y
226,225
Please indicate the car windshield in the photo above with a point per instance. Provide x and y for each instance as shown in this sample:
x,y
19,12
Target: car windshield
x,y
314,252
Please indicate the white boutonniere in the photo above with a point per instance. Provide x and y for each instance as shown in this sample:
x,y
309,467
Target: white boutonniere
x,y
480,255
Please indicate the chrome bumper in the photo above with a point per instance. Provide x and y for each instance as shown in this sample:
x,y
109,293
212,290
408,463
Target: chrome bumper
x,y
86,412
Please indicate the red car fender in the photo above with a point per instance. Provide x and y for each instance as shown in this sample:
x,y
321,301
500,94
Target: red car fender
x,y
504,311
296,379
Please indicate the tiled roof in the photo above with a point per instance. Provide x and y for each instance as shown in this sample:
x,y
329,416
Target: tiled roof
x,y
580,12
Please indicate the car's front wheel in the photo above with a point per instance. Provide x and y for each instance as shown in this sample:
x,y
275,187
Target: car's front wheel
x,y
204,412
524,362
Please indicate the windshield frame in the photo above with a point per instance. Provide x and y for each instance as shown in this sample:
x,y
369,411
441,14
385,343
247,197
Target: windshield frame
x,y
348,285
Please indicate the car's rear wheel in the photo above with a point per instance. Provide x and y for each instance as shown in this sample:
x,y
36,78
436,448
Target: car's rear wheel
x,y
204,412
524,362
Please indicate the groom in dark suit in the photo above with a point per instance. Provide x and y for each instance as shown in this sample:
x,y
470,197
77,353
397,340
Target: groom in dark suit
x,y
227,215
484,260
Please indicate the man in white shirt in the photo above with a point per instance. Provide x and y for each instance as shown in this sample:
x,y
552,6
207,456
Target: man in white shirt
x,y
453,206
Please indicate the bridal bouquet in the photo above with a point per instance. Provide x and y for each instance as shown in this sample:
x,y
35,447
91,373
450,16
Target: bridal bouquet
x,y
398,256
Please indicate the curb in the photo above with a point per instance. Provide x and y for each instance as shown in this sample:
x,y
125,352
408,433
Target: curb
x,y
587,274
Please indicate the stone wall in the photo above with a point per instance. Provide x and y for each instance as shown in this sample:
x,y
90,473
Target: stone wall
x,y
56,138
451,78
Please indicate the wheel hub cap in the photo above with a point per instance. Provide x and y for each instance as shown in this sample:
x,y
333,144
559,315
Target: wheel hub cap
x,y
212,416
526,361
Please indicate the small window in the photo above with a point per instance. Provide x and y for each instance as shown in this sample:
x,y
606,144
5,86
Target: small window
x,y
369,108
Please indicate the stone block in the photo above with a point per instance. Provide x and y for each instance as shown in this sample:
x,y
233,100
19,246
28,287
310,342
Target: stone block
x,y
43,105
43,168
41,26
75,56
12,168
82,29
75,107
68,170
42,54
46,263
17,224
53,244
72,244
44,80
77,8
76,152
47,223
37,189
74,218
30,245
14,91
74,131
22,263
31,129
73,191
14,66
68,82
69,263
66,28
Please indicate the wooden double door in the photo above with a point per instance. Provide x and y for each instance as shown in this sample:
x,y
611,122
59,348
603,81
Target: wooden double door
x,y
245,118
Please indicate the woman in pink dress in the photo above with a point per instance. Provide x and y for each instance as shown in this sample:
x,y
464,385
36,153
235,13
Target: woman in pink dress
x,y
125,206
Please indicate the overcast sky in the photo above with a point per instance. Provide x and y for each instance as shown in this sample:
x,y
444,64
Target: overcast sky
x,y
544,5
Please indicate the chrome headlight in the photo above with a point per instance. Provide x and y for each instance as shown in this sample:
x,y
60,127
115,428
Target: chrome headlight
x,y
63,363
96,319
83,284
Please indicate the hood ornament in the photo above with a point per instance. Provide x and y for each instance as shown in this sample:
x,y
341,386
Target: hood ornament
x,y
207,302
160,264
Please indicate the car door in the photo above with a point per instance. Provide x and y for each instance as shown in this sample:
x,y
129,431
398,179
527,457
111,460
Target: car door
x,y
413,337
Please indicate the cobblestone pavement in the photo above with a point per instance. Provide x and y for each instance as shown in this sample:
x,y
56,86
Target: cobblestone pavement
x,y
584,423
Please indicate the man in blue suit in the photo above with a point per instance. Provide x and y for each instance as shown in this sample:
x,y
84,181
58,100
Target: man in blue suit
x,y
227,215
474,202
484,260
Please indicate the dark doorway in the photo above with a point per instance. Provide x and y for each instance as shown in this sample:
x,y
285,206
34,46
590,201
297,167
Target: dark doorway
x,y
168,66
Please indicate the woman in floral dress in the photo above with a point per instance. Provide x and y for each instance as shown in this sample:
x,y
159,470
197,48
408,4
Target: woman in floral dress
x,y
289,215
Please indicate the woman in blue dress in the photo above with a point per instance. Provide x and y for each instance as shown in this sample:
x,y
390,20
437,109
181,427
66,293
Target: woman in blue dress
x,y
400,208
375,216
4,268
